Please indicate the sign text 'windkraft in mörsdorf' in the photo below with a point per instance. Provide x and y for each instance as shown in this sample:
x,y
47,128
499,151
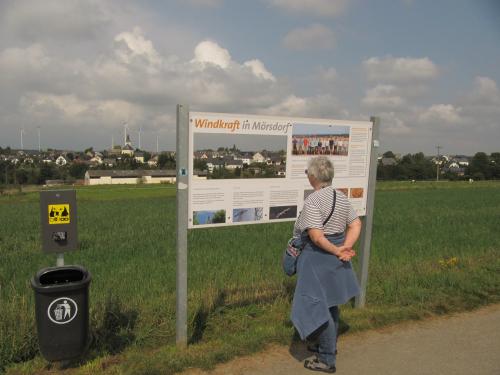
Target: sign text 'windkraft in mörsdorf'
x,y
235,125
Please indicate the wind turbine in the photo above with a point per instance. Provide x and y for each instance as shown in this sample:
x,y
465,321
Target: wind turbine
x,y
22,133
139,132
39,147
125,127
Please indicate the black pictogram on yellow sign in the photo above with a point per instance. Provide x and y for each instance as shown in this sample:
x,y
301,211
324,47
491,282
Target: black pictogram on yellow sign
x,y
59,214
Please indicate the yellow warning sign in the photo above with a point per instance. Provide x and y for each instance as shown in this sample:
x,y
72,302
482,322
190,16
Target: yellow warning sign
x,y
59,214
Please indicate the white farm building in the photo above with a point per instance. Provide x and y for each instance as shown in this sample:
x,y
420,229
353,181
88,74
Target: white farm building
x,y
136,176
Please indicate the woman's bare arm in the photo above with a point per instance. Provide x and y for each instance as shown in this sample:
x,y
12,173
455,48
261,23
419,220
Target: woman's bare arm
x,y
352,233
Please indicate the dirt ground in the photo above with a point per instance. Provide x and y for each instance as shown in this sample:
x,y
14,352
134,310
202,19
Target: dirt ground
x,y
466,343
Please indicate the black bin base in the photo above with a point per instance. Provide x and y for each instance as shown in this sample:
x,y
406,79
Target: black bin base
x,y
62,311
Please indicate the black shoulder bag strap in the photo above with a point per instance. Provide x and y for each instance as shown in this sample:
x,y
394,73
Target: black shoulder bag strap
x,y
333,207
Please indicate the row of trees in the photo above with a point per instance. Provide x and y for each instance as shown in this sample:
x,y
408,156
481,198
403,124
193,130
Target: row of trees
x,y
411,166
418,167
32,174
484,167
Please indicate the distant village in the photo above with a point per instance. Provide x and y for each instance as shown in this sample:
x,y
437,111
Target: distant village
x,y
128,165
120,164
233,163
456,164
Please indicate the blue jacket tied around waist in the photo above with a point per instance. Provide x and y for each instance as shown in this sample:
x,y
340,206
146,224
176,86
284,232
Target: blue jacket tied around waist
x,y
323,281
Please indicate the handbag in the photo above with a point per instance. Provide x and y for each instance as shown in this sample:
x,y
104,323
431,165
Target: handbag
x,y
295,245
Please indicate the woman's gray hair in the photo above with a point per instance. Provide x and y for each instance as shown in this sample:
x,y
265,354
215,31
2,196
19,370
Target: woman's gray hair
x,y
321,168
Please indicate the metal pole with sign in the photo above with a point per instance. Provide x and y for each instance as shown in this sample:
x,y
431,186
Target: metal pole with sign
x,y
182,183
366,232
58,214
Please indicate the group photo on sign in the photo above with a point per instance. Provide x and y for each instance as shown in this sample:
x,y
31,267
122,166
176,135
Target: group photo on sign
x,y
320,140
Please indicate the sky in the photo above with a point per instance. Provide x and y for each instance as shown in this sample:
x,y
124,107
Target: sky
x,y
78,72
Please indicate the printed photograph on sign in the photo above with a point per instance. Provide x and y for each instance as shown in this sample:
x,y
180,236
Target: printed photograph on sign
x,y
345,191
247,214
239,156
282,212
320,140
308,192
209,217
357,192
59,214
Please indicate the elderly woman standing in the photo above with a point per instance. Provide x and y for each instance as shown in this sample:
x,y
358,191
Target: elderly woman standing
x,y
325,278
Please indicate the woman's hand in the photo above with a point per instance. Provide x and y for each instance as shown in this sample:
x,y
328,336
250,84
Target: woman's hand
x,y
345,253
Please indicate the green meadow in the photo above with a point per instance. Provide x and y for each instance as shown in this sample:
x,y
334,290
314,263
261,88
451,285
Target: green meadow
x,y
435,250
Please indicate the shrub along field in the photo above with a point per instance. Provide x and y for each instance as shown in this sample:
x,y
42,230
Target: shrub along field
x,y
435,250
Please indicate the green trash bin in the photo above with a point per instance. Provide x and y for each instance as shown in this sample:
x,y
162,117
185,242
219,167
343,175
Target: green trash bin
x,y
62,311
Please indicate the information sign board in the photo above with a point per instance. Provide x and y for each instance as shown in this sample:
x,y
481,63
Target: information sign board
x,y
246,169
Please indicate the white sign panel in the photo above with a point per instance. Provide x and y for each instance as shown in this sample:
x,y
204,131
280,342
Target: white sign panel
x,y
248,169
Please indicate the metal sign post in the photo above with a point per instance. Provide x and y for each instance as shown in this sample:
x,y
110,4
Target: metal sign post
x,y
182,184
366,232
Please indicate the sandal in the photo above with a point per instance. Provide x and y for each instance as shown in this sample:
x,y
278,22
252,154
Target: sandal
x,y
315,365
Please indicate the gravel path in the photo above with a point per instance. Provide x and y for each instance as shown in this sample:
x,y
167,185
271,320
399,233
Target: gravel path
x,y
466,343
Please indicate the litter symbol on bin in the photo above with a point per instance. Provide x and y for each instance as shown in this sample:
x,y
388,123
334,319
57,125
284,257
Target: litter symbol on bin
x,y
59,214
62,310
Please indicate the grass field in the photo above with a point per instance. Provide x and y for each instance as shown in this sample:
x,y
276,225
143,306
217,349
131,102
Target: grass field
x,y
435,250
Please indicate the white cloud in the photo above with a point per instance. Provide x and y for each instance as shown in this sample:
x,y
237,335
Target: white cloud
x,y
394,124
131,82
319,8
259,70
481,105
211,53
383,97
33,57
313,37
485,91
441,114
135,45
71,110
404,69
315,106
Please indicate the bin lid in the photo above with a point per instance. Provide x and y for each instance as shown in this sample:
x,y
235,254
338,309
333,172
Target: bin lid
x,y
61,278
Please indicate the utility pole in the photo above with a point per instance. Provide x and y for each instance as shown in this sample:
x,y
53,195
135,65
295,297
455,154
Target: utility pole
x,y
437,163
157,148
112,142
